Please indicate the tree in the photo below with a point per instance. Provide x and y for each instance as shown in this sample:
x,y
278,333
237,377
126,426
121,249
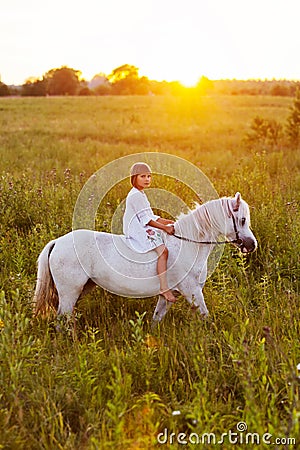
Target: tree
x,y
63,81
124,72
293,121
204,85
125,80
4,90
34,87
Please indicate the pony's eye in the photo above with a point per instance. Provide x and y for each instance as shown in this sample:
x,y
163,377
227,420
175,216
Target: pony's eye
x,y
243,220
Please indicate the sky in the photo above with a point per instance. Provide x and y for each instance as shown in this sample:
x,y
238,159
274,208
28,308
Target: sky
x,y
166,39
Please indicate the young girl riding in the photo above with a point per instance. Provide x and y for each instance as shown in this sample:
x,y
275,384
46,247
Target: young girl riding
x,y
141,226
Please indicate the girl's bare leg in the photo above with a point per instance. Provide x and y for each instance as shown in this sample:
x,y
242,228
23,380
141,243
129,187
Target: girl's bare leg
x,y
162,252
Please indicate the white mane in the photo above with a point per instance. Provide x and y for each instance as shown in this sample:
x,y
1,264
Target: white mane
x,y
208,219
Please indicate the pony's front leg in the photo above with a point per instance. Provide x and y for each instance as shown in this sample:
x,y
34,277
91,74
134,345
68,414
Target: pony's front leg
x,y
198,304
192,291
162,307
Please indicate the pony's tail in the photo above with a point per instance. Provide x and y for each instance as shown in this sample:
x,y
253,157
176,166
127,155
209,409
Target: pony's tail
x,y
45,296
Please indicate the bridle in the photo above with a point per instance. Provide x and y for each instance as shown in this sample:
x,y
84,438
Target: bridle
x,y
237,241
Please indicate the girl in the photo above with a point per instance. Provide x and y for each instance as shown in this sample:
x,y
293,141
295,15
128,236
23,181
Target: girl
x,y
141,225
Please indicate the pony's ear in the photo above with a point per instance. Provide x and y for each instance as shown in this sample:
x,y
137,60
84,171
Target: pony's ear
x,y
236,201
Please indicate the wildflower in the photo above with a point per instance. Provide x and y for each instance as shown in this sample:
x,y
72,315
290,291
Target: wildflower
x,y
152,342
1,323
67,172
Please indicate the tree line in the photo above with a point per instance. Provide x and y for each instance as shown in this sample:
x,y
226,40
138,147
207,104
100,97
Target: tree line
x,y
125,80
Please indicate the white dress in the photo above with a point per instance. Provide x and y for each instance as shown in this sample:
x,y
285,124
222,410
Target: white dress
x,y
138,213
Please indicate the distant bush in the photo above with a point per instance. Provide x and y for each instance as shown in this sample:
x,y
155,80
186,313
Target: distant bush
x,y
36,88
103,89
270,133
280,90
264,132
85,91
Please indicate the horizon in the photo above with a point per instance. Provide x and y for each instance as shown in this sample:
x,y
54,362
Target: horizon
x,y
88,80
166,40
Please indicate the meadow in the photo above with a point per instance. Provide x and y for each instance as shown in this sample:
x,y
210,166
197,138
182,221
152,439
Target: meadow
x,y
109,381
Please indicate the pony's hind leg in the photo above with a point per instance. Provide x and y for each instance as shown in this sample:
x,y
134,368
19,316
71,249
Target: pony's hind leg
x,y
69,284
65,312
68,297
66,304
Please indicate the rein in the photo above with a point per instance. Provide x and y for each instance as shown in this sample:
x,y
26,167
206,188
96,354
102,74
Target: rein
x,y
238,241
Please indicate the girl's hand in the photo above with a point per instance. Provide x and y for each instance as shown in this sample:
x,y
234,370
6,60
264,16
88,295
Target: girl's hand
x,y
170,229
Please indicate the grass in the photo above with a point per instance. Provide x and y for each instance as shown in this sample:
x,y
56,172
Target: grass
x,y
109,381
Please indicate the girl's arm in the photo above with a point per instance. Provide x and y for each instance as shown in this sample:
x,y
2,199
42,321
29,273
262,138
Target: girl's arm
x,y
165,221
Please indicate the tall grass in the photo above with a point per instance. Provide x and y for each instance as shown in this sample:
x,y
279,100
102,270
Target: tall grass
x,y
108,380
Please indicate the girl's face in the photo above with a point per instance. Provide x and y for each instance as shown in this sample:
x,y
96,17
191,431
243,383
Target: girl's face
x,y
143,181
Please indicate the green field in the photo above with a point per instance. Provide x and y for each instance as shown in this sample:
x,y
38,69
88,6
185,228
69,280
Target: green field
x,y
109,382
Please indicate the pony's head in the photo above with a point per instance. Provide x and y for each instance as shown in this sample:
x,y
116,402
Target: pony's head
x,y
227,216
238,223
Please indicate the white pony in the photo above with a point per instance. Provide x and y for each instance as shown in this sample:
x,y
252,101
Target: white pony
x,y
71,265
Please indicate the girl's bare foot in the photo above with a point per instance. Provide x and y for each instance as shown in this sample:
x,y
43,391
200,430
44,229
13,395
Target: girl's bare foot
x,y
168,296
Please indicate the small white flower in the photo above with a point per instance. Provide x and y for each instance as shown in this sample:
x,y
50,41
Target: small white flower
x,y
298,367
176,413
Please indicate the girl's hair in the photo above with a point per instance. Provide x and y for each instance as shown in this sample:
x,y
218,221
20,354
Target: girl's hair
x,y
133,179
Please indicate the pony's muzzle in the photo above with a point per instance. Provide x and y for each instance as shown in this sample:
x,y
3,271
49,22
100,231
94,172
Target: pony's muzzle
x,y
248,245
